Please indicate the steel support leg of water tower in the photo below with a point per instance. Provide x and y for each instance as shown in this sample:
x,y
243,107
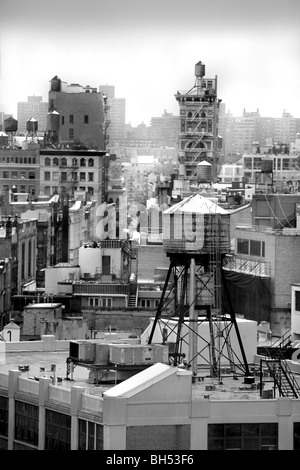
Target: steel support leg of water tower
x,y
193,326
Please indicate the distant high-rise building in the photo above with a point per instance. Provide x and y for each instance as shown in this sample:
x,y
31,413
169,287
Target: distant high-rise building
x,y
246,131
115,114
34,107
76,116
165,130
285,128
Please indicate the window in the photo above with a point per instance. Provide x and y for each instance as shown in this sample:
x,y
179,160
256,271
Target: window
x,y
27,423
74,176
74,162
47,190
63,162
91,176
58,431
91,162
296,436
23,261
29,259
91,191
55,176
145,303
94,302
14,174
63,176
3,416
5,174
23,174
243,246
252,436
31,175
55,161
297,301
251,247
90,435
82,162
47,176
63,120
86,119
71,133
71,119
23,188
106,302
82,176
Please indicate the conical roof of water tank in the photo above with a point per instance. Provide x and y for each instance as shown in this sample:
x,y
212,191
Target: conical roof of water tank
x,y
196,225
196,204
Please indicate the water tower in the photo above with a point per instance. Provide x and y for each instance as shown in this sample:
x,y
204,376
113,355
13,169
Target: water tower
x,y
195,312
32,128
264,178
10,128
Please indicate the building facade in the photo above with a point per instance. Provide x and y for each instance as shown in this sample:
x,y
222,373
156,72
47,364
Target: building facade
x,y
76,116
198,138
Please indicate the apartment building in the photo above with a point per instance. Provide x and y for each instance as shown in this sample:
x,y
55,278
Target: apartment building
x,y
76,116
80,173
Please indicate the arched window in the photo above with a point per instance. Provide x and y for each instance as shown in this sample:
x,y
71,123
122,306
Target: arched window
x,y
63,162
74,162
55,161
82,162
91,162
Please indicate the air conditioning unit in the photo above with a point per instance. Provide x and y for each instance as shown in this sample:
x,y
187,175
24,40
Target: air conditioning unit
x,y
82,351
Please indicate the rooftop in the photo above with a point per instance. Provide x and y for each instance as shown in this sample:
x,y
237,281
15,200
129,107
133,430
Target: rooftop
x,y
35,364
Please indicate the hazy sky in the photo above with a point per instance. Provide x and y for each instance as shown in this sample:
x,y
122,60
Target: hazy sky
x,y
148,49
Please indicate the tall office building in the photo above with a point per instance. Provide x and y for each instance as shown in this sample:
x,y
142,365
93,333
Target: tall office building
x,y
76,116
34,107
115,114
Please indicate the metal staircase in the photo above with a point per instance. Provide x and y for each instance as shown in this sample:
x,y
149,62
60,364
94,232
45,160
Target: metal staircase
x,y
283,378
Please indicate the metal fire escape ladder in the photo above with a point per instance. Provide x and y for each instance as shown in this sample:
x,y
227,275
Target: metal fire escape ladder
x,y
283,377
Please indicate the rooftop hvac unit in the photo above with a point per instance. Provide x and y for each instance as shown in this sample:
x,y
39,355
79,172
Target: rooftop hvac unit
x,y
82,351
138,354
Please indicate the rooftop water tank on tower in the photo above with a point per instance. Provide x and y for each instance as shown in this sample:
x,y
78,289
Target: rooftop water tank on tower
x,y
199,69
53,120
55,84
196,225
3,139
32,125
267,165
10,125
204,172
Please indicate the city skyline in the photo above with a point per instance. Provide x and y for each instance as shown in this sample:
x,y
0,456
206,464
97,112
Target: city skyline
x,y
148,50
